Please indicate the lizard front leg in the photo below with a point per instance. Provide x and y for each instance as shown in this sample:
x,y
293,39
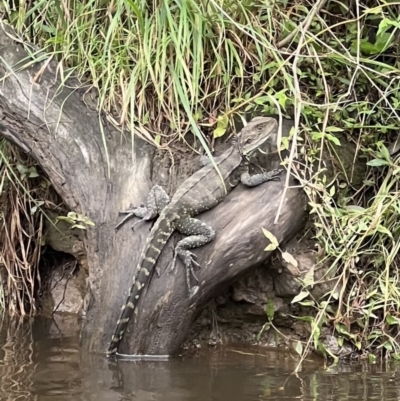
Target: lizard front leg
x,y
157,199
200,234
258,179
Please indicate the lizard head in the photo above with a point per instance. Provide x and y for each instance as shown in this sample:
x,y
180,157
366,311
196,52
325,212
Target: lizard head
x,y
256,133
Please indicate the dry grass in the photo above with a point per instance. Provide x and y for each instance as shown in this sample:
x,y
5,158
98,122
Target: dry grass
x,y
22,193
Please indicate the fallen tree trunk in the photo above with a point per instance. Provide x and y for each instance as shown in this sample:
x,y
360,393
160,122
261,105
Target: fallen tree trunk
x,y
95,176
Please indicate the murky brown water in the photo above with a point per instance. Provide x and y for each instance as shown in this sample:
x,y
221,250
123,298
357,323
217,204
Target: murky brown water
x,y
43,362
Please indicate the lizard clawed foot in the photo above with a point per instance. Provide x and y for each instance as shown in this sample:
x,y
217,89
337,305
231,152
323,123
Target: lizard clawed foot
x,y
131,210
189,262
274,174
189,258
129,215
135,224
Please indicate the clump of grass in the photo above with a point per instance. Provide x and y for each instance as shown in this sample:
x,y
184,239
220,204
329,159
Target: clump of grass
x,y
166,67
22,192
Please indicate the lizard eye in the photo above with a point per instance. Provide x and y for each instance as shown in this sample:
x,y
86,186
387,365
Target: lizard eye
x,y
260,127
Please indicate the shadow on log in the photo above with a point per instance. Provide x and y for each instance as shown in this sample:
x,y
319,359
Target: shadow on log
x,y
96,177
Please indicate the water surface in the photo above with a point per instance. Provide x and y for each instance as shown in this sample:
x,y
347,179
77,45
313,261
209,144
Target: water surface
x,y
42,361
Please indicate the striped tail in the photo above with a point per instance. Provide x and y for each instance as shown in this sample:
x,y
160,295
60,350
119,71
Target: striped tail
x,y
156,241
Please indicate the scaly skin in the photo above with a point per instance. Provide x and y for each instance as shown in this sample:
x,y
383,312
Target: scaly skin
x,y
201,192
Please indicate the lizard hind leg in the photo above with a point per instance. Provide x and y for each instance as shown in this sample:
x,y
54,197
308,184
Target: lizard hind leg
x,y
157,199
200,234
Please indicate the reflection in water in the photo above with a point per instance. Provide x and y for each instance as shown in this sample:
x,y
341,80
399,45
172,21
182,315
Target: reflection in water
x,y
43,362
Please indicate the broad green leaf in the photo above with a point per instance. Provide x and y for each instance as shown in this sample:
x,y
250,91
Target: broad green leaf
x,y
288,258
274,242
334,129
298,347
219,131
391,320
73,215
377,163
333,139
307,303
388,346
269,309
340,328
385,152
300,297
80,226
66,219
22,170
270,248
222,125
309,277
355,208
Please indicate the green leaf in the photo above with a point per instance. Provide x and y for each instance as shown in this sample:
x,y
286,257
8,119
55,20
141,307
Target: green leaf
x,y
284,143
388,346
73,216
307,303
288,258
309,277
334,129
269,309
22,169
384,230
391,320
355,208
333,139
80,226
385,153
222,125
270,248
377,163
66,219
298,347
35,208
274,242
219,131
300,297
340,328
89,222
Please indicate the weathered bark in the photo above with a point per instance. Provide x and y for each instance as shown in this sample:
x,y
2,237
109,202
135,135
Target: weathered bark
x,y
53,124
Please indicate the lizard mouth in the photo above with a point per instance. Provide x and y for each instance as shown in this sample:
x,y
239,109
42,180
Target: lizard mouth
x,y
247,150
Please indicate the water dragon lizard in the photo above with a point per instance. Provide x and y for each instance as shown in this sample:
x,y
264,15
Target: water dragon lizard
x,y
200,192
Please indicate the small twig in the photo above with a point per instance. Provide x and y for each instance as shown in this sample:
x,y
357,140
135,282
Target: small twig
x,y
297,94
303,26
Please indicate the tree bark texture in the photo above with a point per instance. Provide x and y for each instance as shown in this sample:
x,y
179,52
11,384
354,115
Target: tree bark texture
x,y
99,176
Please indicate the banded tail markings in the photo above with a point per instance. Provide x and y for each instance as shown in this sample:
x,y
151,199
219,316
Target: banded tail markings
x,y
146,265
